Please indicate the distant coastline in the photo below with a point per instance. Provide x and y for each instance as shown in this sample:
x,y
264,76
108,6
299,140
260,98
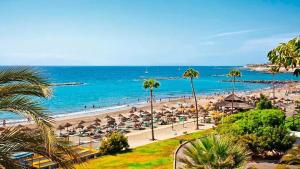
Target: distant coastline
x,y
265,68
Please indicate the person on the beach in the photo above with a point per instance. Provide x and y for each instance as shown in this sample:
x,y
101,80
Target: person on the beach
x,y
4,123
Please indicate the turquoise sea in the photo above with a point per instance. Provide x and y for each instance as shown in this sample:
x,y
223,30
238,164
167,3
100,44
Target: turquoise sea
x,y
114,86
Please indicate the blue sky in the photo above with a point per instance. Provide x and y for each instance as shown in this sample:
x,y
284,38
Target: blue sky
x,y
144,32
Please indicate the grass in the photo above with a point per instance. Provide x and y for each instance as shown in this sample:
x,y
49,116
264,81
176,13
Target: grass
x,y
157,155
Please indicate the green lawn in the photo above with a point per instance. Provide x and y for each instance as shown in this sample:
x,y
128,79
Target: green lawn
x,y
158,155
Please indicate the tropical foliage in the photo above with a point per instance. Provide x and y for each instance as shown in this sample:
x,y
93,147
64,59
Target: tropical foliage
x,y
20,139
262,131
293,123
264,103
286,55
234,73
114,143
192,74
19,88
214,152
151,84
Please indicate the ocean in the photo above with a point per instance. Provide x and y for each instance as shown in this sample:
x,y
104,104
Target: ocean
x,y
103,87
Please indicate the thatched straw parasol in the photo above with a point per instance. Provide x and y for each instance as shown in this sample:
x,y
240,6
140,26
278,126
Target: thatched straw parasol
x,y
97,120
96,123
107,116
135,117
121,124
90,127
79,126
82,122
2,129
60,127
135,121
67,125
123,119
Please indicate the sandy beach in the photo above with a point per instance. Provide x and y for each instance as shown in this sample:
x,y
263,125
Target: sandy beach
x,y
141,137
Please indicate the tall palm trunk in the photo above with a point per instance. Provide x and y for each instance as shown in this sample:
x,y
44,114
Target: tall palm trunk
x,y
273,84
196,104
232,94
151,105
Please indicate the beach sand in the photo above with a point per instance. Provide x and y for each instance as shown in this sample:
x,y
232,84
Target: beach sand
x,y
141,137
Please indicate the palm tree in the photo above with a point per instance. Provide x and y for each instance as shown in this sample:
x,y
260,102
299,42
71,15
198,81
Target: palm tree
x,y
151,84
286,55
22,139
18,89
213,152
192,74
234,73
273,70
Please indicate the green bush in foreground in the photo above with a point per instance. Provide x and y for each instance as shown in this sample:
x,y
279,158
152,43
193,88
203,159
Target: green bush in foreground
x,y
114,143
214,152
264,103
262,131
293,123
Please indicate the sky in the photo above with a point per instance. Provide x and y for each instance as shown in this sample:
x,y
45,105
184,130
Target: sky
x,y
144,32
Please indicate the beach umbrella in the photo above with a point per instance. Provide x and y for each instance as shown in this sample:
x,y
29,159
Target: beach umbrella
x,y
67,125
97,120
60,127
96,123
135,117
81,122
123,119
90,127
79,126
158,116
110,122
131,115
121,124
135,121
107,116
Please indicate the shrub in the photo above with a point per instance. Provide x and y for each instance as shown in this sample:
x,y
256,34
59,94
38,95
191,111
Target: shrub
x,y
293,123
114,143
262,131
264,103
217,116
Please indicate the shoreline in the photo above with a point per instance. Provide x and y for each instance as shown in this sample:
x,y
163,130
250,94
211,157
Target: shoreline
x,y
121,109
110,110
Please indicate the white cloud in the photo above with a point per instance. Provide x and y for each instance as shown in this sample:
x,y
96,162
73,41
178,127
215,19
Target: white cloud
x,y
232,33
266,43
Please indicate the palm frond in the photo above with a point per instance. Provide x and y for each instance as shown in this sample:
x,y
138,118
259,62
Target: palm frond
x,y
18,139
26,107
213,152
24,89
23,74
